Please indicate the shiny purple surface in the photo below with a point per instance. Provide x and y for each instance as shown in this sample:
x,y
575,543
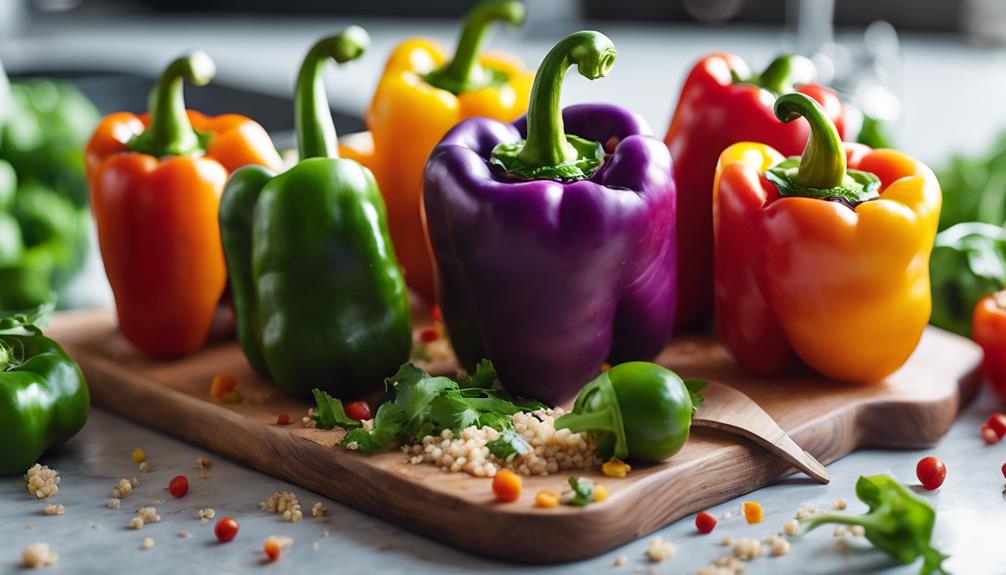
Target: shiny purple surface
x,y
549,280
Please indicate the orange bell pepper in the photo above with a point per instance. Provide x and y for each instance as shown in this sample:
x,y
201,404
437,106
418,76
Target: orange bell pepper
x,y
156,181
419,98
813,260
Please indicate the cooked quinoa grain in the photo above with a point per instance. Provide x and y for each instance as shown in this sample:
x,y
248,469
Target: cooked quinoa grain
x,y
551,451
659,550
805,512
113,503
42,480
122,489
38,555
53,509
620,560
839,505
149,515
148,543
205,514
285,503
725,565
791,527
319,511
777,545
746,549
136,523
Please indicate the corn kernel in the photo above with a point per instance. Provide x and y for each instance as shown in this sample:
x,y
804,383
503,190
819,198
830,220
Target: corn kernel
x,y
600,492
753,512
547,498
616,468
139,456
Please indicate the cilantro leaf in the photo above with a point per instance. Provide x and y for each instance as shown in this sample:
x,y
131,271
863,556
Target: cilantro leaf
x,y
484,376
694,386
508,443
451,411
583,491
389,425
330,413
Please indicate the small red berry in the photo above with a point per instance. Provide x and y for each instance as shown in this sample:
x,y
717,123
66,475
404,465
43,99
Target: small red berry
x,y
705,522
997,423
989,435
283,419
226,529
178,486
358,410
931,472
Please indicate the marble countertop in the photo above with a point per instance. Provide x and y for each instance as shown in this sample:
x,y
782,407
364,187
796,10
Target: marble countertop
x,y
939,74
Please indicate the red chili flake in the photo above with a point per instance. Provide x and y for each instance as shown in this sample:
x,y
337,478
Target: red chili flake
x,y
429,335
283,419
705,522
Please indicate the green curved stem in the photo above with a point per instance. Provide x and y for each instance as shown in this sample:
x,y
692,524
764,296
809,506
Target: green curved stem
x,y
170,132
784,72
5,355
464,73
546,144
822,164
316,136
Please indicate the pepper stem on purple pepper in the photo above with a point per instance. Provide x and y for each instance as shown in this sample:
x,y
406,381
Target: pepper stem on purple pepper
x,y
464,73
549,152
316,135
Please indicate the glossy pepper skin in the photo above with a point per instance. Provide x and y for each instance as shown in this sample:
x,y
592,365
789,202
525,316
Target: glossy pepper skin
x,y
549,279
843,286
320,300
156,182
421,95
722,104
989,331
44,399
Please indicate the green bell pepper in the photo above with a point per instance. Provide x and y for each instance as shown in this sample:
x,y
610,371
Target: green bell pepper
x,y
44,399
899,522
319,298
636,410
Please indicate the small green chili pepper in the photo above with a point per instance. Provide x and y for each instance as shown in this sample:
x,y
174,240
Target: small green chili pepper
x,y
899,522
636,410
43,397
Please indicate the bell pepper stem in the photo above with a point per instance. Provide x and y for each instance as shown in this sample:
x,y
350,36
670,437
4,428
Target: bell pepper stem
x,y
316,135
170,132
546,144
6,355
464,69
785,71
822,164
606,416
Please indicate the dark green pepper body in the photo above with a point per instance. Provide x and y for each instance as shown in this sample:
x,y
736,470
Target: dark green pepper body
x,y
320,299
44,399
319,295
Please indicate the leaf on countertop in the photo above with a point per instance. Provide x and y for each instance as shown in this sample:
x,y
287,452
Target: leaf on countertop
x,y
329,413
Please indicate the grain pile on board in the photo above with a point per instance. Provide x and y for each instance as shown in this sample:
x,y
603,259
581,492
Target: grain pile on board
x,y
42,481
550,451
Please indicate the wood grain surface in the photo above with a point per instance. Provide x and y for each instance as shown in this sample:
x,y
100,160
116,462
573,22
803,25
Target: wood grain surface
x,y
913,408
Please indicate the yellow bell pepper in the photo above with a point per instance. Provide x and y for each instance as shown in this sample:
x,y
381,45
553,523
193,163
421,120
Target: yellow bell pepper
x,y
813,260
421,96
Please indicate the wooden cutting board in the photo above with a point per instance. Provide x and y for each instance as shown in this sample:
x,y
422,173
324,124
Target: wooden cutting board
x,y
913,408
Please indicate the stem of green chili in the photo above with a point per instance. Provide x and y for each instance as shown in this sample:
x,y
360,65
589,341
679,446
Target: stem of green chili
x,y
464,69
546,144
316,136
822,164
170,132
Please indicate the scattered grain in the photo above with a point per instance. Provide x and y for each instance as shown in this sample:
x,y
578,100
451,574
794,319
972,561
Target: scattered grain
x,y
113,503
746,549
620,560
122,489
319,511
42,481
777,545
791,527
38,555
205,514
53,509
148,543
284,503
660,550
184,534
839,505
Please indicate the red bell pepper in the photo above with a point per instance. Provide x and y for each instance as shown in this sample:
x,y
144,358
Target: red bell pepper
x,y
722,104
989,331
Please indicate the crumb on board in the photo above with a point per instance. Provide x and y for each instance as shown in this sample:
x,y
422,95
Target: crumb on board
x,y
791,527
145,467
53,509
184,534
205,514
42,481
777,545
319,511
122,489
805,512
203,463
148,543
113,503
620,560
38,555
746,549
839,505
284,503
724,565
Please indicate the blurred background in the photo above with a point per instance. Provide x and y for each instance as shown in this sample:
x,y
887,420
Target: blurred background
x,y
925,75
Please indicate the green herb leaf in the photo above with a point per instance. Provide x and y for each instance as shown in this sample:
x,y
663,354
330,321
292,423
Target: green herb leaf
x,y
329,412
389,426
35,318
508,443
450,410
484,376
583,491
898,522
968,263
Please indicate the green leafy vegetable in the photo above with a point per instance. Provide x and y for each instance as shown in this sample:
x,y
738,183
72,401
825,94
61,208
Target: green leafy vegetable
x,y
968,262
508,443
329,413
974,188
898,522
583,491
37,317
420,404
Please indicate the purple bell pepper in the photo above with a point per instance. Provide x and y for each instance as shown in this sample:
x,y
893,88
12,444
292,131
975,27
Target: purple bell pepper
x,y
553,254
